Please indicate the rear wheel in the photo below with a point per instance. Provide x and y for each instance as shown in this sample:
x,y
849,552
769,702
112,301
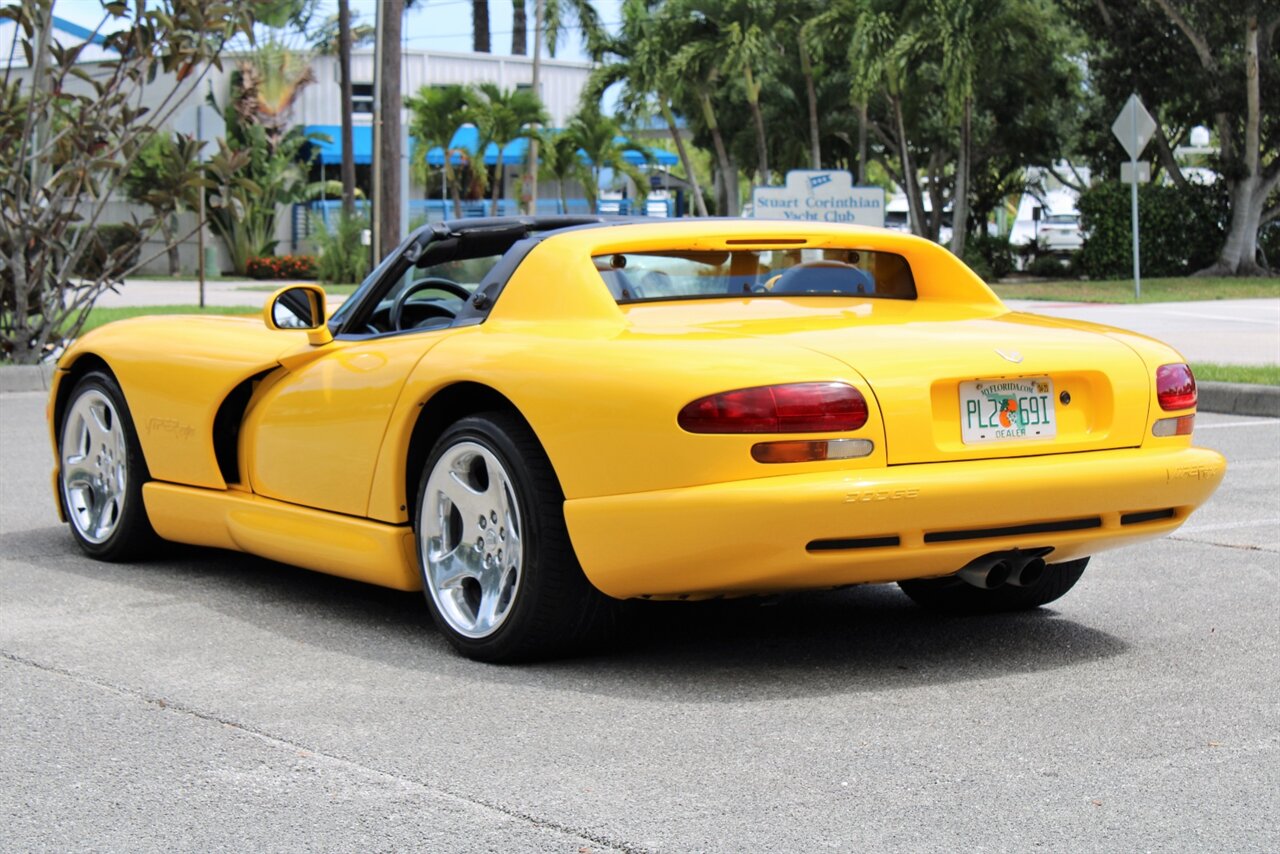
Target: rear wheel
x,y
101,472
953,596
499,573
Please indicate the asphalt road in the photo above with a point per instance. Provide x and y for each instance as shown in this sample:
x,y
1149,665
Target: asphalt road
x,y
211,701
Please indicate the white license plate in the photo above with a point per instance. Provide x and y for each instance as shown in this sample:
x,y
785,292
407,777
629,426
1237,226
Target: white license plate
x,y
1007,410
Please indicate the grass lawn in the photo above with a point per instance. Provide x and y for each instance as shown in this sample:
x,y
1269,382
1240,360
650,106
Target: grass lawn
x,y
1184,289
99,316
1252,374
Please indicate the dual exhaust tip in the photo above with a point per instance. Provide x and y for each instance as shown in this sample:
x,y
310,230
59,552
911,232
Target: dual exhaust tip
x,y
1017,568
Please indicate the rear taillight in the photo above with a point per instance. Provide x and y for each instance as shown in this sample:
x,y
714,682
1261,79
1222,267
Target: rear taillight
x,y
1175,387
793,408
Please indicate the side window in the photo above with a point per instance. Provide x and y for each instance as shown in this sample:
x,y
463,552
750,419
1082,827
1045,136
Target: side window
x,y
425,298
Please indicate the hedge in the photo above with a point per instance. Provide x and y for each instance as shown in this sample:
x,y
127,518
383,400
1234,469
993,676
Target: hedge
x,y
1182,230
282,267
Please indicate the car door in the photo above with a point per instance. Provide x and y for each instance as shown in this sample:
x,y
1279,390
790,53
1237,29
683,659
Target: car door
x,y
312,434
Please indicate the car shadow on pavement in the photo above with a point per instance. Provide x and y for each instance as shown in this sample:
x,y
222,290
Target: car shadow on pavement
x,y
868,638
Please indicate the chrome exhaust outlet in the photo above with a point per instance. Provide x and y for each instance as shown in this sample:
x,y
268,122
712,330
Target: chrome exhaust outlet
x,y
1016,567
987,572
1028,573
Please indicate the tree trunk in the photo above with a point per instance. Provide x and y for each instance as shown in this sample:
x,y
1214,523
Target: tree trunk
x,y
519,29
722,157
168,228
699,203
960,208
912,188
496,189
1167,160
455,190
1239,254
862,144
389,117
480,26
344,80
757,118
806,68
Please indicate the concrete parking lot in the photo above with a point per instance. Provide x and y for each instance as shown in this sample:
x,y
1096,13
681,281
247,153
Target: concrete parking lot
x,y
211,701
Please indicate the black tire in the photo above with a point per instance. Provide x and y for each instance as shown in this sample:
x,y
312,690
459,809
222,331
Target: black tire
x,y
101,472
950,595
536,592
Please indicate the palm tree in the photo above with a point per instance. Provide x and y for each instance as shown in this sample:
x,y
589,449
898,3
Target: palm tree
x,y
743,43
562,15
435,114
480,26
698,64
519,28
561,162
272,77
502,116
639,58
952,31
601,141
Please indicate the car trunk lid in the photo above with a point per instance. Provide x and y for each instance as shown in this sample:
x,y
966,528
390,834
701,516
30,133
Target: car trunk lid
x,y
956,382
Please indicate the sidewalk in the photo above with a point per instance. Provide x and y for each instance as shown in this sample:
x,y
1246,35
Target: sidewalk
x,y
219,292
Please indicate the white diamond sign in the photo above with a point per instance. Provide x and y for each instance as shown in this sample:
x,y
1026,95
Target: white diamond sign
x,y
1134,127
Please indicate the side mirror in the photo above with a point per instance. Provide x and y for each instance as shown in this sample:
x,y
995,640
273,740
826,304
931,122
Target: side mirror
x,y
299,307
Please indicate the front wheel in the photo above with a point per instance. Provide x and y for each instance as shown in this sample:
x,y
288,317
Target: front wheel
x,y
101,472
953,596
498,570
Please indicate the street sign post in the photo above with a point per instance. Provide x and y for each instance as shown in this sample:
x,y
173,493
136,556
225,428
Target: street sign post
x,y
1134,127
204,123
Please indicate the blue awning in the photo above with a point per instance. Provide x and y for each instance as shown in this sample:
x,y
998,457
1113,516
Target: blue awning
x,y
330,152
467,138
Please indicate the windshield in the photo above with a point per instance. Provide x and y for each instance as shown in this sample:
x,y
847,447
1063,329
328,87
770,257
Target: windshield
x,y
676,274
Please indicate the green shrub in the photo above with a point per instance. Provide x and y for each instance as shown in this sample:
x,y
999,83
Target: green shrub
x,y
989,256
112,250
1050,267
1182,230
344,259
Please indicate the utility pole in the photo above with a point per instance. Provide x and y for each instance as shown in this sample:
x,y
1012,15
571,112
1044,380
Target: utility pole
x,y
344,83
539,16
390,144
375,221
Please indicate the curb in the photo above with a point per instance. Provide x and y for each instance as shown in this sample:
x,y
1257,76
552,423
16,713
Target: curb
x,y
1225,398
1239,399
25,377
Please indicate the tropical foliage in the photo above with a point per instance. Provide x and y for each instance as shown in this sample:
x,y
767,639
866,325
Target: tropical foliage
x,y
69,139
166,177
244,207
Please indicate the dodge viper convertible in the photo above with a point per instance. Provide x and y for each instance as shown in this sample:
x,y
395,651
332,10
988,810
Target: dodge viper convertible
x,y
531,418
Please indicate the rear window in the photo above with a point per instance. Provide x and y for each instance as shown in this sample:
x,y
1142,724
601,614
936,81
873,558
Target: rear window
x,y
672,275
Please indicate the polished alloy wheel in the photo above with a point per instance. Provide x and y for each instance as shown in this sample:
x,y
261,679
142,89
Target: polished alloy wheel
x,y
472,549
94,466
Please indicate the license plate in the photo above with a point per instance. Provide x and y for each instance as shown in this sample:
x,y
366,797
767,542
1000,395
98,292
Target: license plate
x,y
1007,410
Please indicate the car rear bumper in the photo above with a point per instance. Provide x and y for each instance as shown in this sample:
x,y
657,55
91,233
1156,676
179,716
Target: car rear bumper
x,y
910,521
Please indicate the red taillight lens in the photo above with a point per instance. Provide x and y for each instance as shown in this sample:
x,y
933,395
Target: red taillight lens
x,y
794,408
1175,387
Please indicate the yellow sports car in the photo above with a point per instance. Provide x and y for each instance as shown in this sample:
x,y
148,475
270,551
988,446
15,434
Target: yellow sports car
x,y
529,418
